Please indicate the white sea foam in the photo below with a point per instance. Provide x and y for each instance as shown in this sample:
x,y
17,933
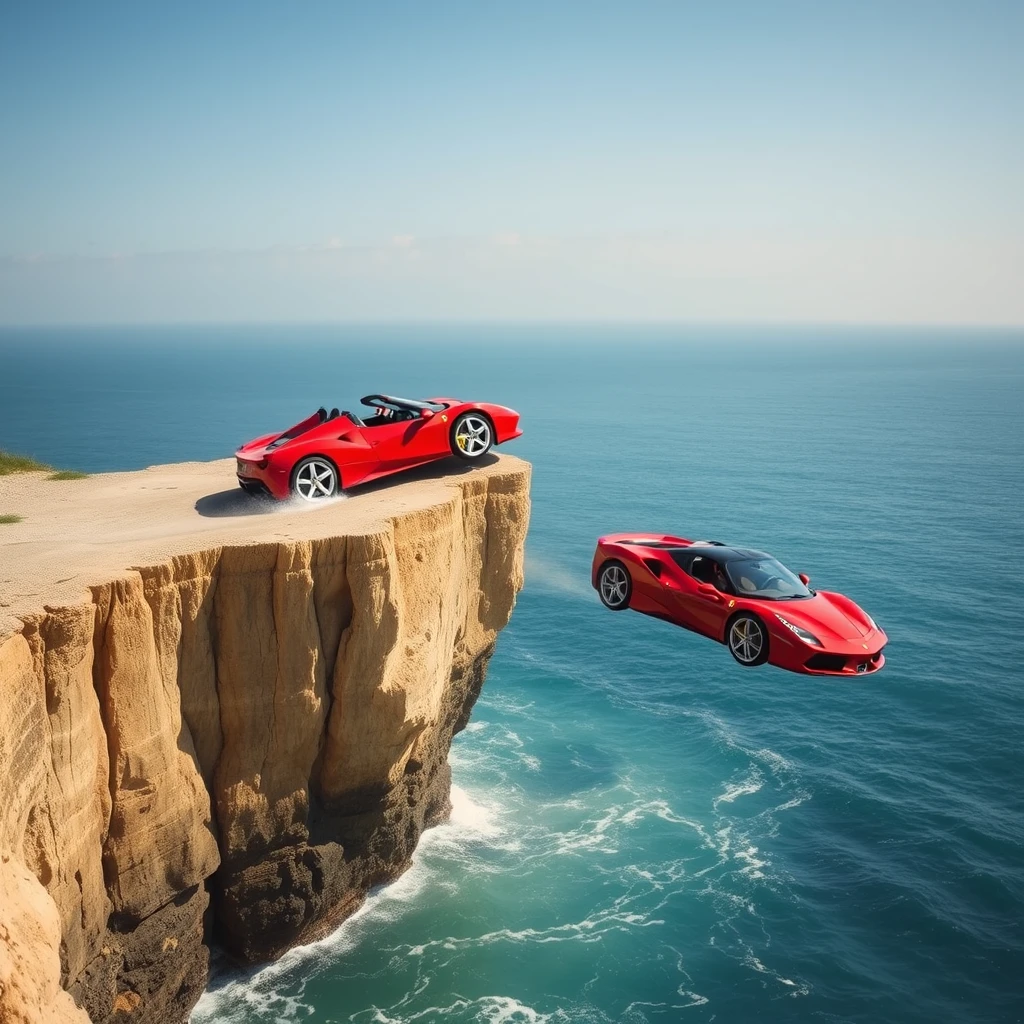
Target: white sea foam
x,y
485,1009
256,994
695,999
751,783
716,726
797,988
590,836
661,875
752,863
592,929
662,809
775,762
795,801
508,705
474,819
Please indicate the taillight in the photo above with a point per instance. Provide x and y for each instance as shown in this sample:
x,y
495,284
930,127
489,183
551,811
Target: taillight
x,y
263,463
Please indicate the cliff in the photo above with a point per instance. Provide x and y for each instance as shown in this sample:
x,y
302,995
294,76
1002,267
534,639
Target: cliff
x,y
224,726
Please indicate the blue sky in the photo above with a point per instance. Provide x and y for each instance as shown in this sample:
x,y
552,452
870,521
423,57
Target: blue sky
x,y
746,160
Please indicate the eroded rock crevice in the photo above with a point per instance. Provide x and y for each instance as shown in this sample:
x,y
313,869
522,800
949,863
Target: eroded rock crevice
x,y
236,744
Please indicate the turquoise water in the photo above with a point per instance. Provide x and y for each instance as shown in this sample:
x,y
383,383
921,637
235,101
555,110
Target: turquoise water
x,y
644,830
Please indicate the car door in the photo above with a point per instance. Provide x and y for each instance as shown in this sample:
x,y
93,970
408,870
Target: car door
x,y
351,450
702,610
408,442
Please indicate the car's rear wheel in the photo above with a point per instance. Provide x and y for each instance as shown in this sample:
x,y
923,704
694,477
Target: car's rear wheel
x,y
472,436
615,586
747,639
315,479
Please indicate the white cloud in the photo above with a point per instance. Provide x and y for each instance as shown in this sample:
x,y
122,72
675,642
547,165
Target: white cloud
x,y
710,278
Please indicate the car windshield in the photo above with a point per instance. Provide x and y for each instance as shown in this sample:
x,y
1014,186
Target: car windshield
x,y
766,578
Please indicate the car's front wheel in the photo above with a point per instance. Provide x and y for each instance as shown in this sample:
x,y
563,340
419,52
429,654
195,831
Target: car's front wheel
x,y
614,586
315,478
472,436
748,640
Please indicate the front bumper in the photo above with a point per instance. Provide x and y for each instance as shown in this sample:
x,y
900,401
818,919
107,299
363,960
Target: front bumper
x,y
845,658
844,664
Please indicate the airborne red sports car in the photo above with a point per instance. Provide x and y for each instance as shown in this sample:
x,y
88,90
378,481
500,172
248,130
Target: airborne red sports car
x,y
744,599
316,458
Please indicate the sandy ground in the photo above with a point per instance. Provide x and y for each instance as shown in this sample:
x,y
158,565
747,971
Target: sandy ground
x,y
79,533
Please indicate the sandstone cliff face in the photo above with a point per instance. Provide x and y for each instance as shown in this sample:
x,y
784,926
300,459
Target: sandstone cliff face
x,y
235,744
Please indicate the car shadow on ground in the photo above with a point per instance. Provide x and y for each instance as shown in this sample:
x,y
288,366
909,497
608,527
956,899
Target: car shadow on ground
x,y
236,502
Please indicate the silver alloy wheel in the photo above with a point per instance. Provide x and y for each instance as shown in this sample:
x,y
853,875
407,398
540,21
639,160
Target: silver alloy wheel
x,y
473,436
614,586
746,640
316,479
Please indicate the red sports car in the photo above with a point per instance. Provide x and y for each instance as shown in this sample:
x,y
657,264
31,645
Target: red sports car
x,y
744,599
316,458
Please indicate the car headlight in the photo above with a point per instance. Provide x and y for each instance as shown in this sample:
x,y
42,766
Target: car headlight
x,y
808,638
871,621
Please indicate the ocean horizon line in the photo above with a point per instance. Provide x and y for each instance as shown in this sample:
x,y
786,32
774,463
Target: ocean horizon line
x,y
567,322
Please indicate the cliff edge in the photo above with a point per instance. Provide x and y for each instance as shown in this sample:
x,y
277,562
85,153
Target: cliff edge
x,y
223,719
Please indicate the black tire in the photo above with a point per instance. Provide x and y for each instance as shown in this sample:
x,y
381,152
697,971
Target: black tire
x,y
324,481
747,639
614,585
472,436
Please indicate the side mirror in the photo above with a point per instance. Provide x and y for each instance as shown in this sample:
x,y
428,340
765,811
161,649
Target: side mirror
x,y
804,578
425,414
707,590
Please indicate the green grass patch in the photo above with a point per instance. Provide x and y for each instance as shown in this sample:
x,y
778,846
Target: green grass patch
x,y
19,464
10,463
6,520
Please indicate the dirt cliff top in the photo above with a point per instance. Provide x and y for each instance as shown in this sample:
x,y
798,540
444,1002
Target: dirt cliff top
x,y
79,533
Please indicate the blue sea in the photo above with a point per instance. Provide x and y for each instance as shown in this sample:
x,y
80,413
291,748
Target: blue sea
x,y
644,831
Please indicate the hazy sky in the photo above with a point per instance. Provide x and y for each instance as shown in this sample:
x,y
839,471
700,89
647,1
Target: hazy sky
x,y
725,161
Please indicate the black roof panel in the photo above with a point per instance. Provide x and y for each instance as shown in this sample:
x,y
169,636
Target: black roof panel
x,y
726,552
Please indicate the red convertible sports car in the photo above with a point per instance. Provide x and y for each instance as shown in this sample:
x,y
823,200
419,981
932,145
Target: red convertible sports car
x,y
741,598
316,458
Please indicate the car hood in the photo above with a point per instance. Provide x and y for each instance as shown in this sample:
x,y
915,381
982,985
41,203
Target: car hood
x,y
822,613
